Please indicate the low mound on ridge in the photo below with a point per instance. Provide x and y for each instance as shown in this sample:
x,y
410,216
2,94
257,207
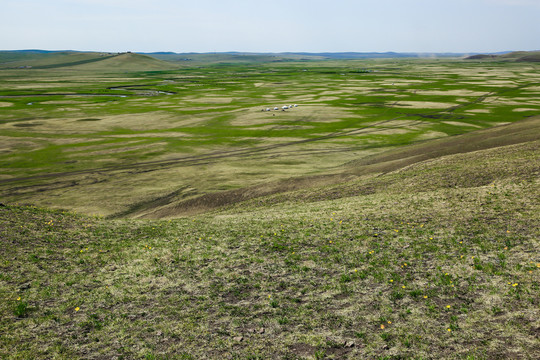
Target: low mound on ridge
x,y
520,56
128,62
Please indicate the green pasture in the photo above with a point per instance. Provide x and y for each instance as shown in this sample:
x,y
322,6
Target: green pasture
x,y
200,127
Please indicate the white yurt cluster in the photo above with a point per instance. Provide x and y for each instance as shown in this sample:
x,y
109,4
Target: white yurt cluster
x,y
283,108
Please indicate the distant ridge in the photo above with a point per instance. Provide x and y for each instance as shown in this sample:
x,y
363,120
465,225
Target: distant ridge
x,y
129,62
520,56
47,56
100,61
326,55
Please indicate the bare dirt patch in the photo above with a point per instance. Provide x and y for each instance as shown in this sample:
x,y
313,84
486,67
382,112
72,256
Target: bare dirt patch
x,y
212,100
10,144
156,135
5,104
281,127
142,121
478,111
524,109
460,92
459,123
303,350
431,135
423,104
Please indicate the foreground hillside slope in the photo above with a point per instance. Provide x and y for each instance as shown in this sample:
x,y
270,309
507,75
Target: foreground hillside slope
x,y
439,259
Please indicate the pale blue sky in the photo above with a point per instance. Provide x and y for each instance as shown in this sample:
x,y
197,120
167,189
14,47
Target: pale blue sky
x,y
271,26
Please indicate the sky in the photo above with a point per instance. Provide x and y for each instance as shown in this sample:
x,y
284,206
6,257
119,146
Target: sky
x,y
427,26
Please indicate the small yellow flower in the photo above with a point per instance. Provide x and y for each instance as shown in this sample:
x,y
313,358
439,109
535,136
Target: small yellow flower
x,y
389,322
448,306
449,330
391,280
382,326
430,238
19,298
403,287
269,296
515,284
425,296
77,308
355,270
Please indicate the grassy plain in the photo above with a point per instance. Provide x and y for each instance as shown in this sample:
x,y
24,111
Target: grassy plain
x,y
409,231
101,153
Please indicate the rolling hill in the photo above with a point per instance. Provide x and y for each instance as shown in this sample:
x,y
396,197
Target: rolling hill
x,y
81,61
128,62
519,56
